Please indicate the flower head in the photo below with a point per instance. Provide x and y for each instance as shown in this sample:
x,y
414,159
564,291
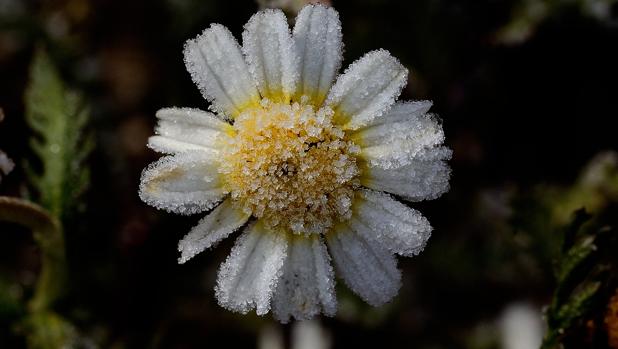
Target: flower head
x,y
300,158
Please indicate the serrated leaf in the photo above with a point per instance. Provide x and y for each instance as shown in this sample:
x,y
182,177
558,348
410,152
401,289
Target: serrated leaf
x,y
576,279
578,304
573,259
58,116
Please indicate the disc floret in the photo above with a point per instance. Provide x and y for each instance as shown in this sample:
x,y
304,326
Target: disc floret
x,y
291,166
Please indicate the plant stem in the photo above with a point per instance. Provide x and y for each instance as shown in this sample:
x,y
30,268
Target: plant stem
x,y
49,236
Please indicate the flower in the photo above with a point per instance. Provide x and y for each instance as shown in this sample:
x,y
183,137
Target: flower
x,y
300,162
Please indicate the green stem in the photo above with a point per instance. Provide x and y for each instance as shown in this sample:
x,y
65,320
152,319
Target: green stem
x,y
50,238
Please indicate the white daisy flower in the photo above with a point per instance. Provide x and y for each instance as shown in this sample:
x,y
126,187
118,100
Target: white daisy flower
x,y
299,161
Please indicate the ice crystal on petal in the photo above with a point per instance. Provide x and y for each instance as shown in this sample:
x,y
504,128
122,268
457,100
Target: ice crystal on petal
x,y
395,140
317,36
402,111
367,268
216,226
425,177
307,285
271,57
367,89
395,226
184,129
218,68
185,183
249,276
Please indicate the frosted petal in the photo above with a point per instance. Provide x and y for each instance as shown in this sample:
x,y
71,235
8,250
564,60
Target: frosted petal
x,y
271,55
307,285
249,276
317,36
216,226
398,228
217,66
184,183
366,267
426,177
403,134
402,111
367,89
183,129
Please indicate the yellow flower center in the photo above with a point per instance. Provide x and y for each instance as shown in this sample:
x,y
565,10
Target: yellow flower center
x,y
291,167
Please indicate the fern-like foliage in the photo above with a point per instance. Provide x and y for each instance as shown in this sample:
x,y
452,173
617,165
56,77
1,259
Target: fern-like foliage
x,y
58,117
583,277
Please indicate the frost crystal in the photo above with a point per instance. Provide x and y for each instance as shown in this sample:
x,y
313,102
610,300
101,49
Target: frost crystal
x,y
184,183
272,60
367,88
366,267
302,162
247,279
307,286
290,166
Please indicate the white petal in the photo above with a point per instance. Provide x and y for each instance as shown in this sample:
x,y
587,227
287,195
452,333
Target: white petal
x,y
426,177
403,134
248,278
395,226
307,285
216,226
367,89
317,35
183,129
402,111
218,68
271,55
366,267
184,183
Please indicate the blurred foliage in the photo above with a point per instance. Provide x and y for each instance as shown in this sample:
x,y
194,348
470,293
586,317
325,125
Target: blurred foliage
x,y
58,117
583,248
528,15
10,299
48,330
581,273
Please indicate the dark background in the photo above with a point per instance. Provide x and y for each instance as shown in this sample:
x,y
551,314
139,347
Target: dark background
x,y
518,114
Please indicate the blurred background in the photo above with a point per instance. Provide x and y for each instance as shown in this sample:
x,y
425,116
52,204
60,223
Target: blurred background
x,y
524,248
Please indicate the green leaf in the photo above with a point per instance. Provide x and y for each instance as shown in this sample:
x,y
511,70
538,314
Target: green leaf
x,y
48,330
578,304
576,277
58,117
571,269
